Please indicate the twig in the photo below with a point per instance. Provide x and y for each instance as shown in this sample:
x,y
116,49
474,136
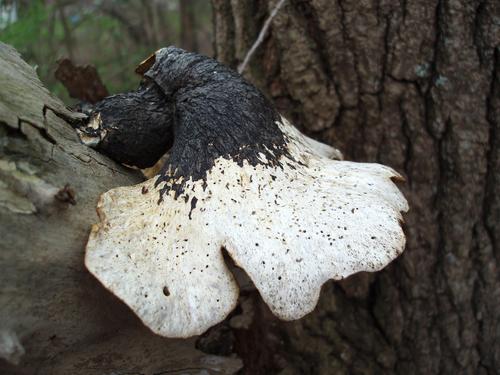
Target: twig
x,y
261,36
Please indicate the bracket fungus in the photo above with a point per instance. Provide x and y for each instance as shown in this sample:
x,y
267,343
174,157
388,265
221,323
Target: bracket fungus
x,y
239,177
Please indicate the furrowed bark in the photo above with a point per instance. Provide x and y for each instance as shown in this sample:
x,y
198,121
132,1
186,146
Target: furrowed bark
x,y
414,85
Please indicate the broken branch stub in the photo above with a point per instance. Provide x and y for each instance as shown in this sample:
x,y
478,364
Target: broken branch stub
x,y
82,82
238,176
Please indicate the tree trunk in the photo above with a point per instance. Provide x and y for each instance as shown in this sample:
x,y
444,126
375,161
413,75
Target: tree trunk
x,y
414,85
55,318
188,26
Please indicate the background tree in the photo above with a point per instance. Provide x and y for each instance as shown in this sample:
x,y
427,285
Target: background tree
x,y
112,35
415,85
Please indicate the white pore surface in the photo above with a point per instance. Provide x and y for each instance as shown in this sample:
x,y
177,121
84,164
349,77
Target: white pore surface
x,y
313,145
290,229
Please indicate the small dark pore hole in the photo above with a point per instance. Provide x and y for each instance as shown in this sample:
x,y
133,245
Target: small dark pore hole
x,y
166,292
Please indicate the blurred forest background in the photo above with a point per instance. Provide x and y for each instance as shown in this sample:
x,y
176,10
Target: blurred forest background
x,y
112,35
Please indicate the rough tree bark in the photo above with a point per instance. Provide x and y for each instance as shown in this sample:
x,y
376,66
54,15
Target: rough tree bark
x,y
415,85
55,318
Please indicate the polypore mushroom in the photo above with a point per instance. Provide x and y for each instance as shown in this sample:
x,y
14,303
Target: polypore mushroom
x,y
238,177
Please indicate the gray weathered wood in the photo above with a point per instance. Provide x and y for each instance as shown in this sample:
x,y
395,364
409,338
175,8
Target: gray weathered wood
x,y
55,318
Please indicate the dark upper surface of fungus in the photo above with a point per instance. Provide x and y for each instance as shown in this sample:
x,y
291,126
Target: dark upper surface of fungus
x,y
217,113
133,128
195,107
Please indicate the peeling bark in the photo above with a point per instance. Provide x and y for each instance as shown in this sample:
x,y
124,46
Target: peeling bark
x,y
414,85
